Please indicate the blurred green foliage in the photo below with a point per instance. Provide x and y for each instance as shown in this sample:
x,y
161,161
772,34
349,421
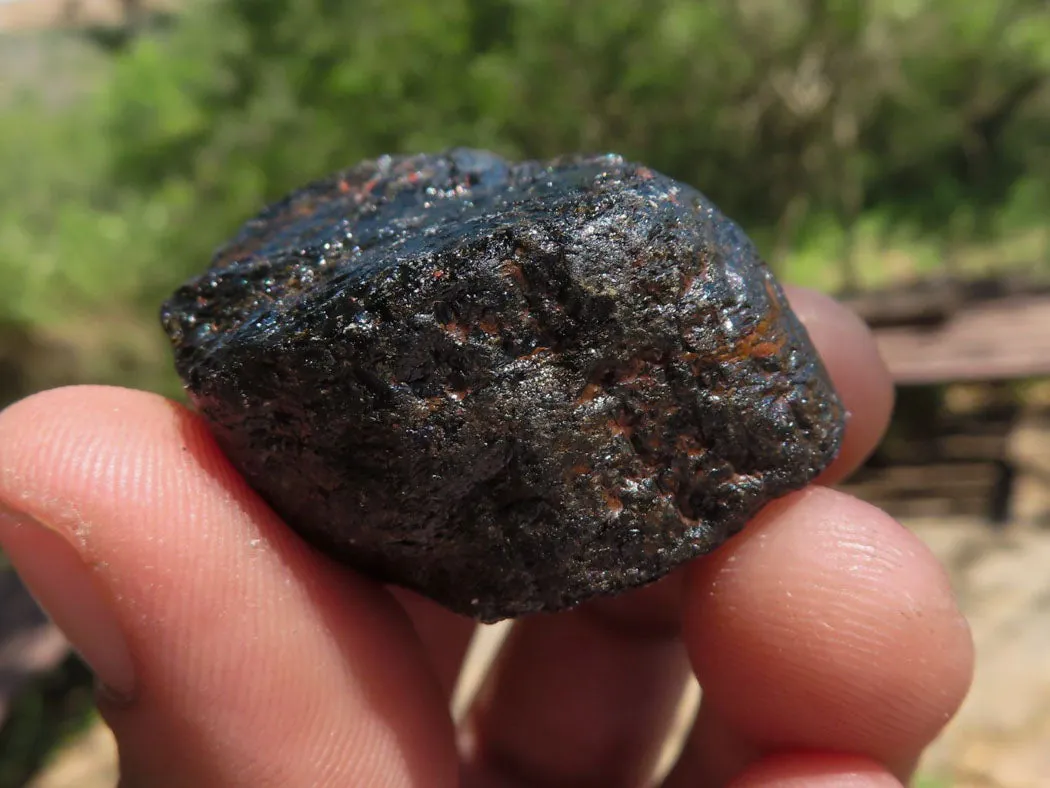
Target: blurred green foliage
x,y
48,714
835,131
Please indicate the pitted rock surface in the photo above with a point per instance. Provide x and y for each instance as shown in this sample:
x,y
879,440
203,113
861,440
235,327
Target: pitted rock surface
x,y
508,386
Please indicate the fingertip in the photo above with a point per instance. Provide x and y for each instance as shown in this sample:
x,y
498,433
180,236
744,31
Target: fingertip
x,y
860,376
85,398
825,624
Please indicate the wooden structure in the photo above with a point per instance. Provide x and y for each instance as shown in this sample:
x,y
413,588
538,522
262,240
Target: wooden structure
x,y
944,331
990,332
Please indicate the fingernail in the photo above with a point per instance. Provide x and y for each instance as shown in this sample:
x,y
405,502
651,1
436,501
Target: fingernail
x,y
71,595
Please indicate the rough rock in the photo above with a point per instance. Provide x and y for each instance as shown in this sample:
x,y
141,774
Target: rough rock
x,y
508,386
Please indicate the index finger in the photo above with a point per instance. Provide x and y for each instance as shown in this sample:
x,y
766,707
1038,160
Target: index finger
x,y
852,358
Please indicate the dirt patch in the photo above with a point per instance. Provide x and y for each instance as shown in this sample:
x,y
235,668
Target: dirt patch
x,y
46,14
90,761
1000,737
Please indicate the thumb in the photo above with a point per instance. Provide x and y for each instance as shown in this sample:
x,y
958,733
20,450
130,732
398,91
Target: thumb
x,y
229,653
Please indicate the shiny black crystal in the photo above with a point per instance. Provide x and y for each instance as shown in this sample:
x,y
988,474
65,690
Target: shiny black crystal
x,y
509,386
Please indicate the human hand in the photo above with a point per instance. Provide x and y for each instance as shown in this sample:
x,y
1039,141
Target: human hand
x,y
825,635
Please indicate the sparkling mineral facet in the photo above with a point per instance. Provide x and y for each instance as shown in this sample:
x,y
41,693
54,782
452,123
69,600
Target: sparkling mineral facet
x,y
508,386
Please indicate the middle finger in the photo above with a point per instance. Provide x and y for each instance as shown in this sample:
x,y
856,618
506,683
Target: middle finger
x,y
586,697
582,698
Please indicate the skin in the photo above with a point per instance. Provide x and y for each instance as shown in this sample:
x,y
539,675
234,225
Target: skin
x,y
825,636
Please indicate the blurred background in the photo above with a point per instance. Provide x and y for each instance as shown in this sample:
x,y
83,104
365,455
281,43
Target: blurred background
x,y
893,152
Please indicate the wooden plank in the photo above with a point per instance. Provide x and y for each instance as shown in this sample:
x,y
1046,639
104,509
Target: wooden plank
x,y
943,448
1003,339
942,474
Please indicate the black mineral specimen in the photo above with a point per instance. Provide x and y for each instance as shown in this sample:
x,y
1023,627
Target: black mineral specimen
x,y
510,387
